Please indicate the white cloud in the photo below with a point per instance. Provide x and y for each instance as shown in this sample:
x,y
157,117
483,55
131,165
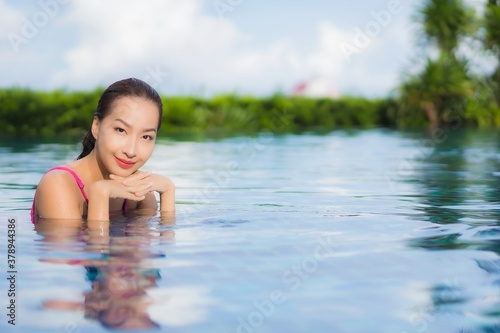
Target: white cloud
x,y
359,64
10,19
26,59
328,58
118,37
92,43
10,28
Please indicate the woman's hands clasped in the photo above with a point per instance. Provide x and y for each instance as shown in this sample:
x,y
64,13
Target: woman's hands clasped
x,y
141,183
136,187
133,187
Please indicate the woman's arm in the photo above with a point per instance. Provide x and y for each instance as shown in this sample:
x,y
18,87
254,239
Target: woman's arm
x,y
166,188
101,191
58,197
167,198
163,185
98,209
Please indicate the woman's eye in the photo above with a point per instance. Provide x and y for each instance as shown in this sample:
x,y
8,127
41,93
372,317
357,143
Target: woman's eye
x,y
147,137
119,130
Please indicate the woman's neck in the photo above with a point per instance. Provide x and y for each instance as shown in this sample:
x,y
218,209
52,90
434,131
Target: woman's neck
x,y
90,168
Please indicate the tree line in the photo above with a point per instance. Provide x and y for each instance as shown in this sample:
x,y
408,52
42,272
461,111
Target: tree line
x,y
39,113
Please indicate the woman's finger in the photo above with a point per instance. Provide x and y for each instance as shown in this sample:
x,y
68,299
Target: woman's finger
x,y
136,178
134,197
137,183
140,187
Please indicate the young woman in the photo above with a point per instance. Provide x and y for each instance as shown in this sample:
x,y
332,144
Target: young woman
x,y
106,177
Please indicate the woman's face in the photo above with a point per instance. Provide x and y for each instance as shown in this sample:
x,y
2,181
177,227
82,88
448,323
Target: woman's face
x,y
125,138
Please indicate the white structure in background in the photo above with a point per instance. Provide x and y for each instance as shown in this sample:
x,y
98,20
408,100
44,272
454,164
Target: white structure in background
x,y
318,87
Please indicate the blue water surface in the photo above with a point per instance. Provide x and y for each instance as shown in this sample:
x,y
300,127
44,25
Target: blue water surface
x,y
349,231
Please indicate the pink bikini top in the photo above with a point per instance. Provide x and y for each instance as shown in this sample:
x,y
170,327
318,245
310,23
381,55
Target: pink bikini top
x,y
80,185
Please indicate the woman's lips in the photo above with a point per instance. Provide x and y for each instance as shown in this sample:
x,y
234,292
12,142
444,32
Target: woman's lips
x,y
124,164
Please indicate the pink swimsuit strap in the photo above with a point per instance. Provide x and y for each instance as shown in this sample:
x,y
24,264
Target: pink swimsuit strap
x,y
77,179
80,185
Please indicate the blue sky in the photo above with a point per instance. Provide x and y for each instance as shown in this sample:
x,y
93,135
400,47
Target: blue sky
x,y
206,47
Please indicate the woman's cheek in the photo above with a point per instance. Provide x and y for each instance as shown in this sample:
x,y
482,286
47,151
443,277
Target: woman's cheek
x,y
148,149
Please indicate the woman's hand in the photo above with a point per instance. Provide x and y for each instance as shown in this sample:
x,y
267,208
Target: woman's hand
x,y
139,184
141,181
135,187
115,189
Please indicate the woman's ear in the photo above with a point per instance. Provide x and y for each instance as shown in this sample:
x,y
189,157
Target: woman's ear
x,y
95,127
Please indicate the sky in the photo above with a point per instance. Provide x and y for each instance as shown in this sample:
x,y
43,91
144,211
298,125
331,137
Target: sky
x,y
207,47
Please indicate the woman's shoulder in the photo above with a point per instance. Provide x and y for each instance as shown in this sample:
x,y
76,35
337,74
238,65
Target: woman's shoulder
x,y
57,176
57,195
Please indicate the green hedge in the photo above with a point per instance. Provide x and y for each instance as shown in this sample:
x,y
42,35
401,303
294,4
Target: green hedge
x,y
34,113
27,112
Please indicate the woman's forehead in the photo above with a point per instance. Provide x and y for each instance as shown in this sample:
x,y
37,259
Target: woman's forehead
x,y
137,110
133,102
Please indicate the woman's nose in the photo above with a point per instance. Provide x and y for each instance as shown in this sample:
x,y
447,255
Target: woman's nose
x,y
130,148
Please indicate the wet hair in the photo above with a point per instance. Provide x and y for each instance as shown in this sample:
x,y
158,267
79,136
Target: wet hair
x,y
131,87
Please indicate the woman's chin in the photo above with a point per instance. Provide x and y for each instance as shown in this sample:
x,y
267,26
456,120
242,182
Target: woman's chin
x,y
122,172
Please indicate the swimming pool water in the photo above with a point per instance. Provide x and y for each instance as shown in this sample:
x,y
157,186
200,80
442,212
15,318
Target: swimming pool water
x,y
350,231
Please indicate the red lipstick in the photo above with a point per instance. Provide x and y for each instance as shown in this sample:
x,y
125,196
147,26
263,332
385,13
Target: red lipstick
x,y
124,164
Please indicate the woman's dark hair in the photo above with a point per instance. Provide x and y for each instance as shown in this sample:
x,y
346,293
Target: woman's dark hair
x,y
124,88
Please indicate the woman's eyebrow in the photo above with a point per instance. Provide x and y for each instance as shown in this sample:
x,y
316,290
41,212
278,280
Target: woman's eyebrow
x,y
128,125
123,122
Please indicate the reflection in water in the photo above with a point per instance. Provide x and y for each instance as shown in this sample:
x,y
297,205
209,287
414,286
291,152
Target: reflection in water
x,y
443,181
462,195
121,274
456,186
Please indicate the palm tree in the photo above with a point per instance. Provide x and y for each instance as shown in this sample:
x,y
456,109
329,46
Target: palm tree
x,y
445,23
444,82
443,85
492,40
